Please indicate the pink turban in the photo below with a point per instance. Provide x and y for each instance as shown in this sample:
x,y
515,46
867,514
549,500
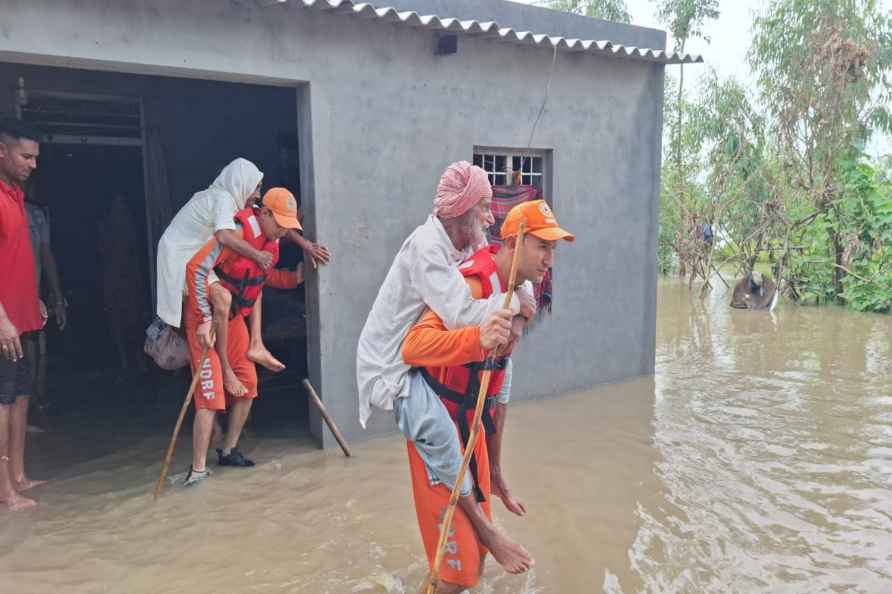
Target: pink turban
x,y
461,187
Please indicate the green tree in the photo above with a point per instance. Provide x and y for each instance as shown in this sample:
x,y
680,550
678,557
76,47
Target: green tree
x,y
862,218
738,165
608,10
686,20
822,68
680,215
868,257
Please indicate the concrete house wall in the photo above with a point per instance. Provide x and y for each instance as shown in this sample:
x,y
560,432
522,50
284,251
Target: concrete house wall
x,y
379,118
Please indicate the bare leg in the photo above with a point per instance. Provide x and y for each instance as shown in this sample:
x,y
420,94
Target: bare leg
x,y
221,300
18,429
238,414
8,494
257,351
217,434
509,554
202,428
497,479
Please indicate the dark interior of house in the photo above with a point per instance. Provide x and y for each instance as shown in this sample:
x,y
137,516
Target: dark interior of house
x,y
122,154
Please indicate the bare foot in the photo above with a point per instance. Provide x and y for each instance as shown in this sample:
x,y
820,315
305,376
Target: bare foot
x,y
18,503
513,504
261,356
231,384
26,483
510,555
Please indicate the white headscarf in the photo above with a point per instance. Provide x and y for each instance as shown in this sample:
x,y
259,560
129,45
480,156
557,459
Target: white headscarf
x,y
237,182
195,223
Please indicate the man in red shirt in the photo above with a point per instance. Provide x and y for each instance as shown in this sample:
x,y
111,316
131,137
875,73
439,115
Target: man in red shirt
x,y
20,311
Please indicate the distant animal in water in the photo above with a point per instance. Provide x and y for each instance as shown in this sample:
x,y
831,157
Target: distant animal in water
x,y
754,292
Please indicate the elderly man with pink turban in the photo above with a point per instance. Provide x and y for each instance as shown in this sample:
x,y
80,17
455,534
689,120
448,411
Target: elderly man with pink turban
x,y
425,275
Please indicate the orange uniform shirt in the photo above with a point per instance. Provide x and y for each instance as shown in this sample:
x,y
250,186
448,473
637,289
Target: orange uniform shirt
x,y
430,344
213,254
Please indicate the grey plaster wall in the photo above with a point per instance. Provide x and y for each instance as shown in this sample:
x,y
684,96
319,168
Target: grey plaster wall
x,y
380,119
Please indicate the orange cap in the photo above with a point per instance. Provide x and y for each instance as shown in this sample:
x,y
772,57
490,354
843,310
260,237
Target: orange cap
x,y
283,206
539,221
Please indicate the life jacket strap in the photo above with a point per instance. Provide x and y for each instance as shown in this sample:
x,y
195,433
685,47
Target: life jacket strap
x,y
468,403
239,301
247,281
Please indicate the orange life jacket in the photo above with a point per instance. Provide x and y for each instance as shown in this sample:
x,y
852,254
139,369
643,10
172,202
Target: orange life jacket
x,y
242,276
459,386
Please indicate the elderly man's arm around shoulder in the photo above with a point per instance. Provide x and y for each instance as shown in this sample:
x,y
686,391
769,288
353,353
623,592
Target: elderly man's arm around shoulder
x,y
430,344
447,293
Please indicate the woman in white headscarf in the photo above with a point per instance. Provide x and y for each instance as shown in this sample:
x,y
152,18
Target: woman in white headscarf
x,y
209,212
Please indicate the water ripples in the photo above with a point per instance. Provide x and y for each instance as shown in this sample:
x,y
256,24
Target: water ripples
x,y
776,455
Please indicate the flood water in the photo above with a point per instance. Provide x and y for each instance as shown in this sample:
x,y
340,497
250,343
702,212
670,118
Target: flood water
x,y
758,459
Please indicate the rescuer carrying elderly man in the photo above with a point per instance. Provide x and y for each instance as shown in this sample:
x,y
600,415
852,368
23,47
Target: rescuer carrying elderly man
x,y
447,367
425,275
212,316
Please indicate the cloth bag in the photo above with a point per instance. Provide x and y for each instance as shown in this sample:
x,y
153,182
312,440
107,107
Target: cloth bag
x,y
166,346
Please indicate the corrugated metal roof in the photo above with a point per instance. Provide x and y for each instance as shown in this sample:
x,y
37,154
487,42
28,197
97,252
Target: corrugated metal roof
x,y
491,29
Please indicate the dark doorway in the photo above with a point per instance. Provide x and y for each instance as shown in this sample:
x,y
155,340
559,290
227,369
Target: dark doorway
x,y
94,175
97,203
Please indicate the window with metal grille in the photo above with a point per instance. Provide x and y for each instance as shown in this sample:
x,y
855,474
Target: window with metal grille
x,y
518,175
494,165
502,165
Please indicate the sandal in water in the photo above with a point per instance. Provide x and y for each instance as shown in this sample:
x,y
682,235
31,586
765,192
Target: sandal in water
x,y
193,477
233,458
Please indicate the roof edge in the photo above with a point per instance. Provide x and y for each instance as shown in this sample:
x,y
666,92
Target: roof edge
x,y
433,22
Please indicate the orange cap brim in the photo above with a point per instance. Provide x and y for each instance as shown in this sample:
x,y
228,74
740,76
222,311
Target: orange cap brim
x,y
553,234
287,222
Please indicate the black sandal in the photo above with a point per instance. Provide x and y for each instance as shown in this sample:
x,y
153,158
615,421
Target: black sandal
x,y
233,458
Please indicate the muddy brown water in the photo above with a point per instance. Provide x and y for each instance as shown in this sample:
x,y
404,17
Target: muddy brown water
x,y
758,459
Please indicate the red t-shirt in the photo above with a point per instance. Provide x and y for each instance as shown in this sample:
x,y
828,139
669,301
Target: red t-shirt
x,y
18,285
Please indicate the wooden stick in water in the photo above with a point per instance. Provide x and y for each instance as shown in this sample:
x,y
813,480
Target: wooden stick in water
x,y
434,576
176,430
331,425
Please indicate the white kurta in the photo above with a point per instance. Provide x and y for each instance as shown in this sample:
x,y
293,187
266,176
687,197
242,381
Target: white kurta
x,y
206,212
423,274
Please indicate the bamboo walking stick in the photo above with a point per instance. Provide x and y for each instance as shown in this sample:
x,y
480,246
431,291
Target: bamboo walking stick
x,y
176,430
331,425
434,576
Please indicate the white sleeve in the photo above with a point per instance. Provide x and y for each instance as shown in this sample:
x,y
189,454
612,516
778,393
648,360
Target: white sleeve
x,y
504,395
222,214
527,294
443,288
